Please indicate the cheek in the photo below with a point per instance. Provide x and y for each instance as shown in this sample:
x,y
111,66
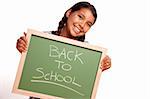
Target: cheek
x,y
70,22
86,28
85,31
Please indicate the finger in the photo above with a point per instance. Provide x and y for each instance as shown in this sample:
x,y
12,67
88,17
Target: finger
x,y
20,41
22,46
21,49
105,65
106,57
107,60
25,34
105,69
24,39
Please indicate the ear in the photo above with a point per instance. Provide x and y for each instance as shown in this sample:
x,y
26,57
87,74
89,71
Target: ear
x,y
68,13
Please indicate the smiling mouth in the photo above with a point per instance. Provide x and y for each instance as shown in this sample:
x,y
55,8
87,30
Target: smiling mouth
x,y
76,30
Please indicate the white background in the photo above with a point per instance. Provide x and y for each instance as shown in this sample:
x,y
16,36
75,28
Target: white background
x,y
123,26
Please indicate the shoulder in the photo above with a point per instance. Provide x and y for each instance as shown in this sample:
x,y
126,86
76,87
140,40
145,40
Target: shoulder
x,y
49,32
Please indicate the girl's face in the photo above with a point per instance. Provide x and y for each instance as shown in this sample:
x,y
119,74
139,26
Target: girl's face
x,y
79,22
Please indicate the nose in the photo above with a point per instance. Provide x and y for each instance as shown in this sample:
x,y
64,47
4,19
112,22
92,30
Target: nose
x,y
82,24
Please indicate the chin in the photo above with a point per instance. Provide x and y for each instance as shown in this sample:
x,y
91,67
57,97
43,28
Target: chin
x,y
74,34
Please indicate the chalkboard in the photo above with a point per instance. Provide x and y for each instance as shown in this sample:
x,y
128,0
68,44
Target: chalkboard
x,y
57,67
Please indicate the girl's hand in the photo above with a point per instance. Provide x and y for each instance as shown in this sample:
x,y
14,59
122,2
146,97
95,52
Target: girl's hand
x,y
21,44
106,63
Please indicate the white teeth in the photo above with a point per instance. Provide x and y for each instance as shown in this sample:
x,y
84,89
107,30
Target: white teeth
x,y
76,30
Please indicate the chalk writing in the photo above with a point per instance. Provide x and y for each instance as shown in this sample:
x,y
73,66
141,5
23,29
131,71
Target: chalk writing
x,y
41,81
54,51
65,67
55,78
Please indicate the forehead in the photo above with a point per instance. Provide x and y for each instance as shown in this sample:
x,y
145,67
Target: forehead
x,y
87,14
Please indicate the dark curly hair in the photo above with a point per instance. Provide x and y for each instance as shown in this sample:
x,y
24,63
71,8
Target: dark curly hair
x,y
76,7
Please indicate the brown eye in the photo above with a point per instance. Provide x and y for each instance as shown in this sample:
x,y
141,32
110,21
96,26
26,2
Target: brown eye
x,y
89,24
80,16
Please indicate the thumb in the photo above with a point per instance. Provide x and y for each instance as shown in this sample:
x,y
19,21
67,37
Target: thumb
x,y
25,34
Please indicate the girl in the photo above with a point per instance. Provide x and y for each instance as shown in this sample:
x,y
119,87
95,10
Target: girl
x,y
74,25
